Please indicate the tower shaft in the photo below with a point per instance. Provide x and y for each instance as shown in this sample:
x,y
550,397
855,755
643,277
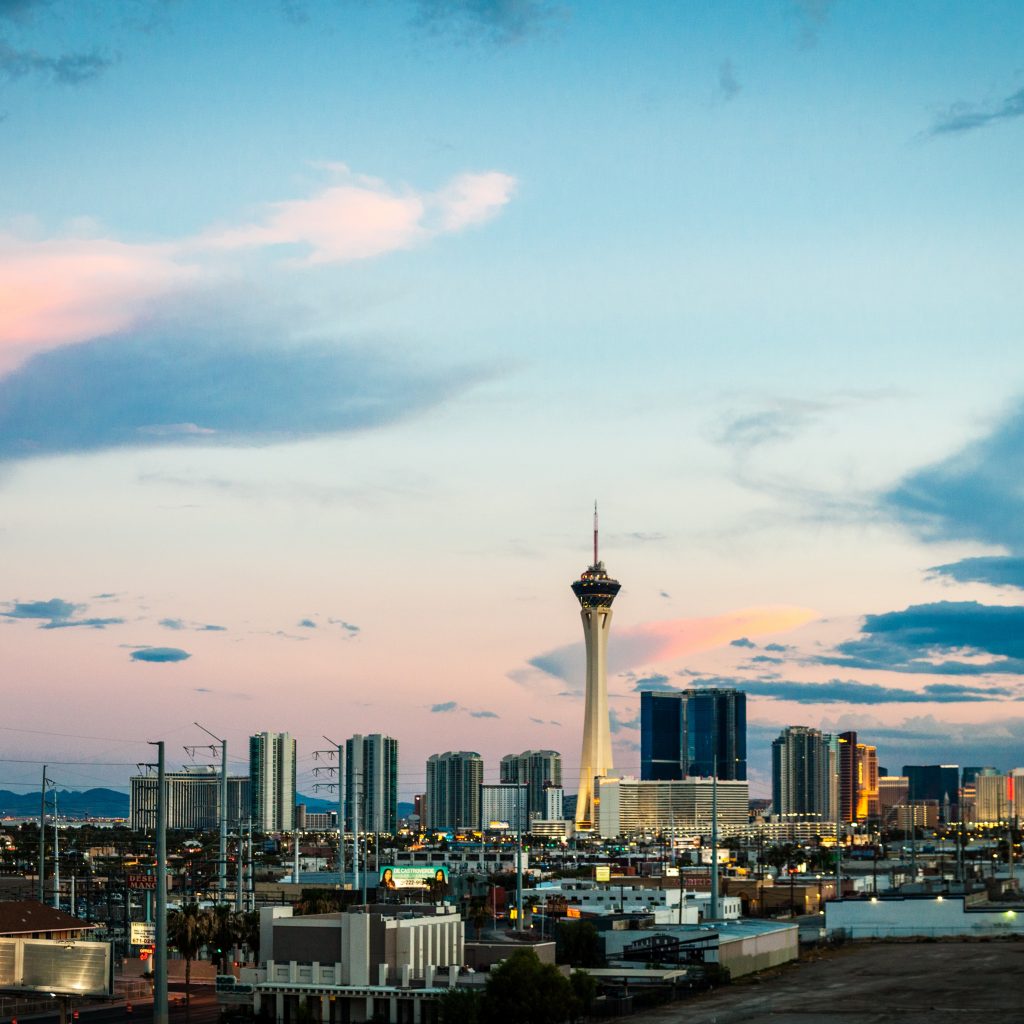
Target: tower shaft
x,y
596,756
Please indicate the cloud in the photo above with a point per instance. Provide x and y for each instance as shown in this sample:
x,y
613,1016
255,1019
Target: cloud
x,y
971,495
443,709
778,647
995,570
617,724
56,614
307,624
159,654
925,739
72,289
813,16
200,627
742,642
967,117
781,420
653,682
495,21
849,691
483,714
728,86
359,218
66,69
945,638
20,10
662,641
53,609
86,623
240,389
348,627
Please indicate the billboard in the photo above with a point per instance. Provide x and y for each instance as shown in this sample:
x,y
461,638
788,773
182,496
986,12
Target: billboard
x,y
63,966
412,876
142,933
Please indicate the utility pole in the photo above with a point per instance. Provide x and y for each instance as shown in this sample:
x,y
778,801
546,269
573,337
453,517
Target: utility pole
x,y
160,1015
42,836
338,771
222,862
519,859
714,842
56,856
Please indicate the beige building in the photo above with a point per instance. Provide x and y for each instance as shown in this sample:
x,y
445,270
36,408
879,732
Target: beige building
x,y
381,965
633,806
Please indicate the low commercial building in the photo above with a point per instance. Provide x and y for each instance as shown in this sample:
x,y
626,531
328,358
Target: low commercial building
x,y
666,906
741,946
382,964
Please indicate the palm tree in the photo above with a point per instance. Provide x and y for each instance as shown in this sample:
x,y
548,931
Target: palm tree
x,y
188,930
225,928
249,932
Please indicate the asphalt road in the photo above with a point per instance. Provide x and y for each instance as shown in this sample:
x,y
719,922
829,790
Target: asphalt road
x,y
204,1010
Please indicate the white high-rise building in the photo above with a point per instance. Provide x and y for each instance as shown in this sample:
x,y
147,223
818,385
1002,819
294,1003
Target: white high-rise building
x,y
596,591
371,777
504,806
193,800
453,790
538,770
272,781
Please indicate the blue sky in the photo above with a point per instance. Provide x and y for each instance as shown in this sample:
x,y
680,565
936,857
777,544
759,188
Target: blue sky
x,y
348,311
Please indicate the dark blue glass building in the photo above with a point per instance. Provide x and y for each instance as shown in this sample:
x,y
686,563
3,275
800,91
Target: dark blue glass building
x,y
688,732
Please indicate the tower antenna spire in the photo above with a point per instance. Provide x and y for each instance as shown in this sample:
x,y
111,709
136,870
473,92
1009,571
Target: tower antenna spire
x,y
595,533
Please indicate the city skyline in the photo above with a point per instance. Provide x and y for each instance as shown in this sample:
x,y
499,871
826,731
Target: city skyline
x,y
321,323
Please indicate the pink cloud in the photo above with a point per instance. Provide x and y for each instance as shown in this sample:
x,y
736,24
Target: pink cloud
x,y
360,217
653,642
64,290
58,291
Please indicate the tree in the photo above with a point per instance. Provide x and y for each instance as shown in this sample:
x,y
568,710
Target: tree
x,y
478,913
522,990
188,930
584,988
460,1006
249,932
225,932
579,944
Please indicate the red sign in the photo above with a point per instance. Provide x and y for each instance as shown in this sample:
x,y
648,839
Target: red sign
x,y
696,883
142,882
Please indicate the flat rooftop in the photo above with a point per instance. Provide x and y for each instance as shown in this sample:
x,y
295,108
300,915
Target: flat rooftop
x,y
869,983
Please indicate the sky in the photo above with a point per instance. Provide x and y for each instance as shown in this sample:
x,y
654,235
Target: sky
x,y
323,324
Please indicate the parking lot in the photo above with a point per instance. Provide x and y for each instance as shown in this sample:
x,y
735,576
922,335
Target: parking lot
x,y
871,983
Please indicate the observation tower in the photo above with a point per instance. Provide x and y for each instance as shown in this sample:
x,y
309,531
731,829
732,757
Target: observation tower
x,y
596,591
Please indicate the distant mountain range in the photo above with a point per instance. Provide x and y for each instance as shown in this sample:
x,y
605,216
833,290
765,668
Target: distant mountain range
x,y
108,803
93,803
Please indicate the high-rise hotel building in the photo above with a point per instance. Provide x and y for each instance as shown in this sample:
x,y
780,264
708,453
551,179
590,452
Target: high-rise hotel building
x,y
693,733
272,781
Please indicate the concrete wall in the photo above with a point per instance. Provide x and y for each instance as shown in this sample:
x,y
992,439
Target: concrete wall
x,y
931,916
482,955
759,952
